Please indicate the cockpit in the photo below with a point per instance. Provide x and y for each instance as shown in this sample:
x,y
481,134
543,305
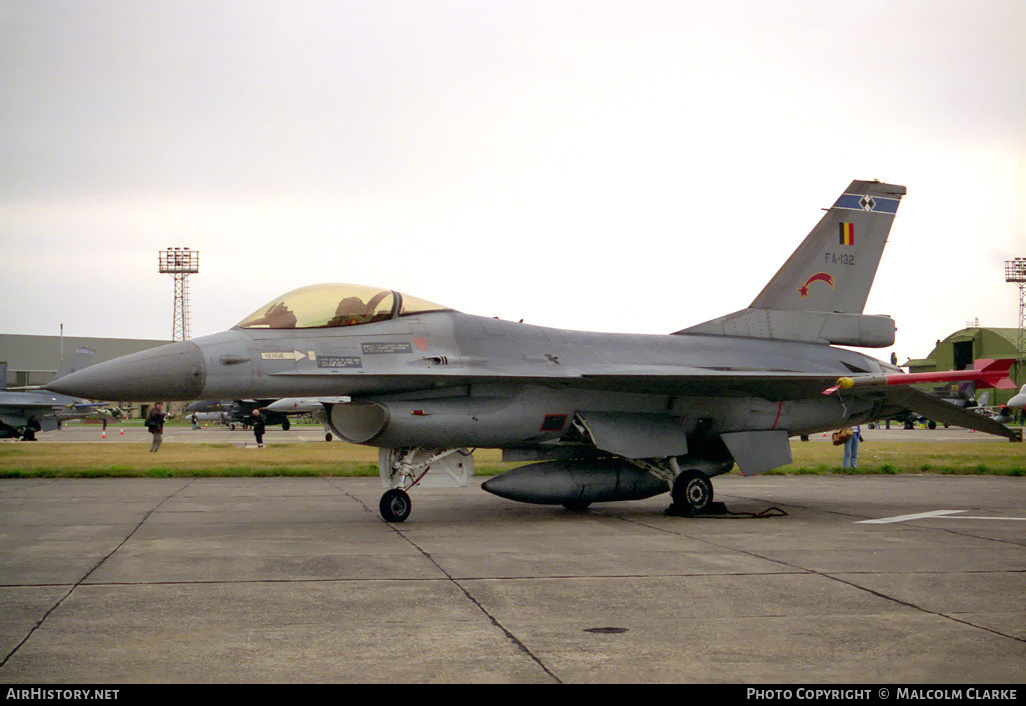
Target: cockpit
x,y
335,305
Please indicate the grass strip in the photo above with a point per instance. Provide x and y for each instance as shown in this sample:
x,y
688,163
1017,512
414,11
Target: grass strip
x,y
131,460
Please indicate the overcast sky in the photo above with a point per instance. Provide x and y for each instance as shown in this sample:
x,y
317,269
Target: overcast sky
x,y
625,165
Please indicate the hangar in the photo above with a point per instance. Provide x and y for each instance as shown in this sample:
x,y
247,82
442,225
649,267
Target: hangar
x,y
34,360
959,350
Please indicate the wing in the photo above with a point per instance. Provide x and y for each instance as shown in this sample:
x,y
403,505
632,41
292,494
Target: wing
x,y
777,386
18,403
774,386
28,404
654,379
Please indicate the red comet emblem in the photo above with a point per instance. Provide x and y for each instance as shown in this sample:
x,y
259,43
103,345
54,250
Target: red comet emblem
x,y
818,277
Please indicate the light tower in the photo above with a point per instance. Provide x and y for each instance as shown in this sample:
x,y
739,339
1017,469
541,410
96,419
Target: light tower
x,y
180,263
1015,271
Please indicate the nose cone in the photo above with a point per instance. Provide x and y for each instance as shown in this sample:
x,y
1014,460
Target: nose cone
x,y
1019,401
172,372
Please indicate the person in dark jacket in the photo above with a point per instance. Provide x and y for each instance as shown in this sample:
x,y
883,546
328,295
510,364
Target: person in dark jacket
x,y
155,425
258,427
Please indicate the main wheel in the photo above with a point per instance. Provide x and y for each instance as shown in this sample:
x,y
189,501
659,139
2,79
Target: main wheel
x,y
692,490
395,505
286,425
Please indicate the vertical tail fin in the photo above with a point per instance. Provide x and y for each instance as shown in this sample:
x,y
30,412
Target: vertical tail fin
x,y
834,267
820,292
83,358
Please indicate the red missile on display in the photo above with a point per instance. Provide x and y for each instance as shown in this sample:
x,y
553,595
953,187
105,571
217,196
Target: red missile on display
x,y
985,373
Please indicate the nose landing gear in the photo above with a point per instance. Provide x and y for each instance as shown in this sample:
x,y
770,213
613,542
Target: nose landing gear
x,y
395,505
403,468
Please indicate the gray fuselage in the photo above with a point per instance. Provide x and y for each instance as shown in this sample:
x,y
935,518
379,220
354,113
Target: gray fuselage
x,y
453,379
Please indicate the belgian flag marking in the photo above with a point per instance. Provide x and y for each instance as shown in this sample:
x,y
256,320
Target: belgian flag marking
x,y
847,233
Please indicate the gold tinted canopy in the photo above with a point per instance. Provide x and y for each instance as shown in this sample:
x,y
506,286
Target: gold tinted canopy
x,y
332,305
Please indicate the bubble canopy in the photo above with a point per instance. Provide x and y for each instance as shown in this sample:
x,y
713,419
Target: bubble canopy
x,y
335,305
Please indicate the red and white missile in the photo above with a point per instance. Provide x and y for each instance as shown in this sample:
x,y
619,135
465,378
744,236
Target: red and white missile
x,y
985,372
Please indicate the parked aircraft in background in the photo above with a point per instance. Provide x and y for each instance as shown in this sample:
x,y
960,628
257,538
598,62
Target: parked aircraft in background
x,y
232,412
237,412
1000,412
961,394
314,406
964,394
604,417
25,412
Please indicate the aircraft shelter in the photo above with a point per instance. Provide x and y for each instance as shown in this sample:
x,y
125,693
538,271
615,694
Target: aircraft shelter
x,y
959,350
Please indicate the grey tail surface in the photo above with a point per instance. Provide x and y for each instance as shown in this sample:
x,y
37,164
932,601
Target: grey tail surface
x,y
82,358
820,292
834,267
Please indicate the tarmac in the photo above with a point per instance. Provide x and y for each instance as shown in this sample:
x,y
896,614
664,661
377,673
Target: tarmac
x,y
298,580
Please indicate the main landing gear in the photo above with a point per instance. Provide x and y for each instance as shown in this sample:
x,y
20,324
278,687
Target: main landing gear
x,y
692,494
690,489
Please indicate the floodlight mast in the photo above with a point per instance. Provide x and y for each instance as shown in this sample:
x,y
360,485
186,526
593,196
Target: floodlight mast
x,y
1015,271
180,263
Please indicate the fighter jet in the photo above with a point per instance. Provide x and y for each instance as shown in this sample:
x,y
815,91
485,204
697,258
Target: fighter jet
x,y
25,412
238,412
232,412
604,417
964,395
314,406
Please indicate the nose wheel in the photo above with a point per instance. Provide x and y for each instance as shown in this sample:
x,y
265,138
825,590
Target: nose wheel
x,y
395,505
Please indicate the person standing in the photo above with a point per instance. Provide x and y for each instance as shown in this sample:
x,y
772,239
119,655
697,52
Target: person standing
x,y
258,427
155,425
851,448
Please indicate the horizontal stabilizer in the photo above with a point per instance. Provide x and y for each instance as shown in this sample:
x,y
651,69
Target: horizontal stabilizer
x,y
865,330
820,292
944,412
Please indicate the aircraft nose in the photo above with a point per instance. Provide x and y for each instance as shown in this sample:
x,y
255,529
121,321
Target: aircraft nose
x,y
171,372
